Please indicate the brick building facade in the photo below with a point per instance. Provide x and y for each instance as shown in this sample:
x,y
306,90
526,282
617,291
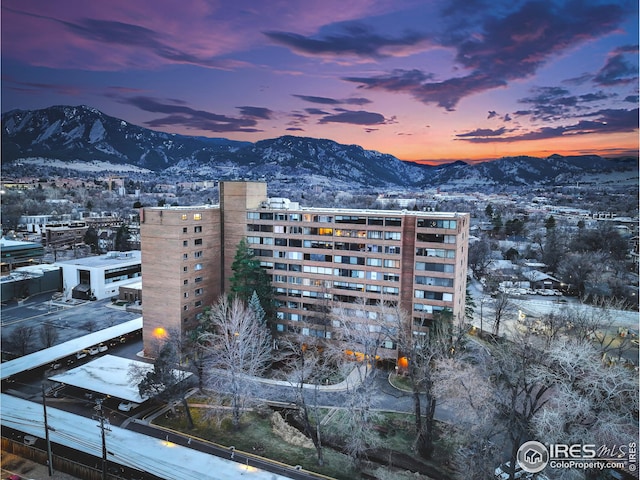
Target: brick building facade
x,y
318,258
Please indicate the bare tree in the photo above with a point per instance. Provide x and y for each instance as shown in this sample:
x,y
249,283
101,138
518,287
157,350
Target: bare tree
x,y
48,334
309,367
501,304
238,347
424,346
359,336
20,339
167,381
519,393
461,384
479,257
589,400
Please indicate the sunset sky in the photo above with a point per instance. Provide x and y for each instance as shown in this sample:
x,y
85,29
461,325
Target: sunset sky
x,y
419,79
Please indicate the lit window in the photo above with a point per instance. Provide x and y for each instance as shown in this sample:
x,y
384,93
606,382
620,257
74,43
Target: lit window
x,y
197,266
197,216
184,216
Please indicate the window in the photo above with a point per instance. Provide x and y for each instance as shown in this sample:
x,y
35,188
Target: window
x,y
374,262
197,216
197,280
184,230
198,291
185,282
185,294
185,269
392,235
183,217
392,222
197,266
185,307
198,303
197,229
185,243
392,263
198,254
185,256
432,223
197,241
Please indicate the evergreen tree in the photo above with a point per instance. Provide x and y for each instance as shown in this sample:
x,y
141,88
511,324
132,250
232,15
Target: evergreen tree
x,y
122,239
91,239
550,223
249,278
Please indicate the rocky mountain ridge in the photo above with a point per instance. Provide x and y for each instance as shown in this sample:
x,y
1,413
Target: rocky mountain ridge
x,y
79,134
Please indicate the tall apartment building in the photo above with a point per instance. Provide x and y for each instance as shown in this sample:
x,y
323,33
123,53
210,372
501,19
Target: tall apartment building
x,y
318,258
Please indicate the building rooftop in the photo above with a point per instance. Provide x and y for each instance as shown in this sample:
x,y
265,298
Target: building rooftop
x,y
108,260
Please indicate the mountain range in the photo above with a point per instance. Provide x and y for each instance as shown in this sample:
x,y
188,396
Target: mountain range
x,y
77,135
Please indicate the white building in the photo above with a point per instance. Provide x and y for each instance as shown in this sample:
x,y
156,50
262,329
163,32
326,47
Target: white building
x,y
100,277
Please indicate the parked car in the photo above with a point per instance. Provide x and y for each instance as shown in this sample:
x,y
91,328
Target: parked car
x,y
102,348
94,350
127,406
82,354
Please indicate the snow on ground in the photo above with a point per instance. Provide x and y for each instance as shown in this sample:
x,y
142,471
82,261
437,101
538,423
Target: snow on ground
x,y
91,166
110,375
158,457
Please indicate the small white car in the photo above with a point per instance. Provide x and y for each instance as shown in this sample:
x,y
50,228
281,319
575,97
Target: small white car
x,y
127,406
94,350
102,348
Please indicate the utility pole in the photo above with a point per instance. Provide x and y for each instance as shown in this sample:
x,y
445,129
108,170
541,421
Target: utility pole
x,y
103,429
46,434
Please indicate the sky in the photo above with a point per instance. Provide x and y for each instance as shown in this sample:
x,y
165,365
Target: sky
x,y
423,80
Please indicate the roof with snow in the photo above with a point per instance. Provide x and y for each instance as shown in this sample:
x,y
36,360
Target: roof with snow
x,y
110,375
51,354
110,259
135,450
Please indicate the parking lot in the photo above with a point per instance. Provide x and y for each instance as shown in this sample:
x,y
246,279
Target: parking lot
x,y
69,319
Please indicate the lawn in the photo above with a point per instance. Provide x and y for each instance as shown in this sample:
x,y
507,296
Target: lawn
x,y
255,435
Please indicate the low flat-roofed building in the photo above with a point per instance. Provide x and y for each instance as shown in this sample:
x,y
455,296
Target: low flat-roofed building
x,y
101,276
16,253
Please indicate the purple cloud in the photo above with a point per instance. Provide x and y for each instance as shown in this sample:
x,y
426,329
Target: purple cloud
x,y
607,121
359,117
621,67
483,132
333,101
180,115
502,49
351,39
256,112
